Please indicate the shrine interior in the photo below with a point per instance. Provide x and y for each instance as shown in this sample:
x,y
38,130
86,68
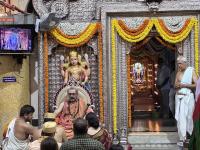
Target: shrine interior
x,y
145,95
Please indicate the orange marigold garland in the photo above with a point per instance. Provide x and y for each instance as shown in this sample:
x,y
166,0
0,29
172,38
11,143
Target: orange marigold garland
x,y
46,74
162,24
70,41
100,44
136,31
129,91
174,38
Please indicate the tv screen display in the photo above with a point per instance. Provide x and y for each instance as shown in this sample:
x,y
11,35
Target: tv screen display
x,y
16,39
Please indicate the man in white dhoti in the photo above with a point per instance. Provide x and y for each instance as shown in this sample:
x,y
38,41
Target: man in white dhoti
x,y
17,136
185,82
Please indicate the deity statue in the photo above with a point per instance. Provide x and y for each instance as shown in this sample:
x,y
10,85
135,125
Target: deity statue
x,y
138,71
75,68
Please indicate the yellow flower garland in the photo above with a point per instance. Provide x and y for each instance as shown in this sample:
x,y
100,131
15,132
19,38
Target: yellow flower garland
x,y
170,38
131,38
114,80
196,46
82,39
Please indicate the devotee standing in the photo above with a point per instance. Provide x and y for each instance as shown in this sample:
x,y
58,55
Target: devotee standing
x,y
17,136
81,140
71,109
48,130
185,82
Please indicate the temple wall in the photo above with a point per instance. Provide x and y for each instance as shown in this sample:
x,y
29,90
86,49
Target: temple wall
x,y
82,10
15,94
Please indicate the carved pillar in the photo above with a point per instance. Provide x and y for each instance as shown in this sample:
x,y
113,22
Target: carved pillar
x,y
55,79
119,80
107,75
123,94
40,79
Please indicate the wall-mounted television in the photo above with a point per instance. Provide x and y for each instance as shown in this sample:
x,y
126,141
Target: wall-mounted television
x,y
16,39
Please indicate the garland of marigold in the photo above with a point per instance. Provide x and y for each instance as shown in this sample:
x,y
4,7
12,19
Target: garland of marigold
x,y
134,32
130,38
162,24
196,46
70,41
114,80
129,91
101,74
174,38
46,74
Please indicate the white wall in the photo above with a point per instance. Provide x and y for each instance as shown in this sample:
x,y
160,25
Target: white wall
x,y
34,84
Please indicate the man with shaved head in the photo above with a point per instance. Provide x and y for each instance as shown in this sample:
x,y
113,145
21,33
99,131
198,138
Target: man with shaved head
x,y
185,83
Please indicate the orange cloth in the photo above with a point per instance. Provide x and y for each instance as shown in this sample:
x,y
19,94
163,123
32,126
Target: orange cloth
x,y
70,112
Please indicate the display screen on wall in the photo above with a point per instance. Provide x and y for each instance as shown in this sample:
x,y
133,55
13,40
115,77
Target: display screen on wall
x,y
16,39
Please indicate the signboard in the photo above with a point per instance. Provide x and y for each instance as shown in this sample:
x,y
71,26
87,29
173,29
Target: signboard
x,y
9,79
7,19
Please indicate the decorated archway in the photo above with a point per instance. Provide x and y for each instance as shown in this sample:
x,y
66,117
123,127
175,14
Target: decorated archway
x,y
127,25
172,34
66,36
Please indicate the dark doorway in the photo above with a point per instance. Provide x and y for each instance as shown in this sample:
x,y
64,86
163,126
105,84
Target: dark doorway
x,y
146,97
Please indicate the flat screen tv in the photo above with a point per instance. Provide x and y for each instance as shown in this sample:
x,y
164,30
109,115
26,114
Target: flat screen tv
x,y
16,39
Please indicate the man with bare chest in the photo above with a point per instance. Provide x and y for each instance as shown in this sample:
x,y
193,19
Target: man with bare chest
x,y
185,83
17,136
69,110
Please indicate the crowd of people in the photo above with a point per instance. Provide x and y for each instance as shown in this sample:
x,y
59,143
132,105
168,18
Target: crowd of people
x,y
87,134
75,126
72,126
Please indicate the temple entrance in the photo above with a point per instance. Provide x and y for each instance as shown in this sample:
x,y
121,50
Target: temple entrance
x,y
147,104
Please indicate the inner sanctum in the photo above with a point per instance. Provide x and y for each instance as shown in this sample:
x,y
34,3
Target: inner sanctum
x,y
146,99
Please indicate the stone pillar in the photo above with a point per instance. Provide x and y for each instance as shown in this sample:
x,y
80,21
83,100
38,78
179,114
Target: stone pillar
x,y
107,74
123,98
41,79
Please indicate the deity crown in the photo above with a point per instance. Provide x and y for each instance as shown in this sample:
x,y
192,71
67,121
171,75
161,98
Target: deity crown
x,y
73,54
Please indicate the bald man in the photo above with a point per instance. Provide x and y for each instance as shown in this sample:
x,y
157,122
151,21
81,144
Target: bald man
x,y
185,82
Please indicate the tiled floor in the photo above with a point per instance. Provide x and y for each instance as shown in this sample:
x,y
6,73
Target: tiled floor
x,y
154,125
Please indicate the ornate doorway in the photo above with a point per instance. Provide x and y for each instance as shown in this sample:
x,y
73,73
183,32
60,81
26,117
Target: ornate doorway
x,y
146,100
